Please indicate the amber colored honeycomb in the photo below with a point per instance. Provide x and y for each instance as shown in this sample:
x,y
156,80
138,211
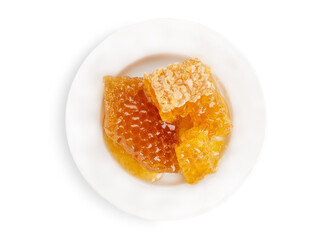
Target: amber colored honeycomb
x,y
133,122
197,155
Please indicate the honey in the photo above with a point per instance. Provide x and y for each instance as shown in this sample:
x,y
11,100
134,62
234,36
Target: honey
x,y
134,123
167,122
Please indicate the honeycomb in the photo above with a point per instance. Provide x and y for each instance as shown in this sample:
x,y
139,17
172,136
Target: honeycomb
x,y
134,123
197,155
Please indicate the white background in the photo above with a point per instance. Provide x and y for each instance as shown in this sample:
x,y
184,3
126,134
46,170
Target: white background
x,y
42,194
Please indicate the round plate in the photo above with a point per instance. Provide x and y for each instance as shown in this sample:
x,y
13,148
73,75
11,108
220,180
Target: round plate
x,y
142,48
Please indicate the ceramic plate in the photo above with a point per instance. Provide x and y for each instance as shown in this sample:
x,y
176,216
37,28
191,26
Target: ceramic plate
x,y
142,48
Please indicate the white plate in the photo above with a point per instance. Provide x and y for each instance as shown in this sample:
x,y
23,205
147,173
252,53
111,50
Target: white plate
x,y
169,40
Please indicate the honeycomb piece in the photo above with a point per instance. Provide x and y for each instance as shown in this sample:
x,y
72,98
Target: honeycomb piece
x,y
133,122
128,163
197,155
176,88
189,89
